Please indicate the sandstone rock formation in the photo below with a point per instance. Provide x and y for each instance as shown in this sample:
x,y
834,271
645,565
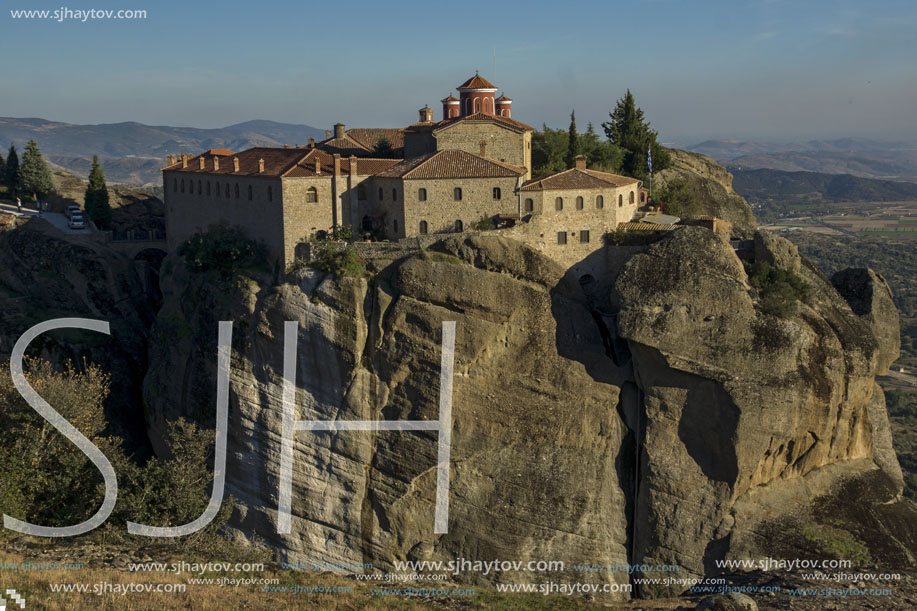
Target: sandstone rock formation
x,y
720,403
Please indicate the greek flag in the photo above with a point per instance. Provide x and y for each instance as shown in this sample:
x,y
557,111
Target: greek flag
x,y
649,160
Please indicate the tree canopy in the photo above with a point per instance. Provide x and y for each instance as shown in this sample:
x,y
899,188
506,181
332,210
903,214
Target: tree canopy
x,y
629,130
96,199
12,176
550,151
383,148
573,147
36,177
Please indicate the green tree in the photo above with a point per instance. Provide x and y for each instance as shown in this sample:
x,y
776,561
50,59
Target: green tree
x,y
36,177
383,149
2,169
573,140
629,130
96,200
12,176
549,150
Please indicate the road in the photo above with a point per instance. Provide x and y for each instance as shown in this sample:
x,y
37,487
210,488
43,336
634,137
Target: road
x,y
57,220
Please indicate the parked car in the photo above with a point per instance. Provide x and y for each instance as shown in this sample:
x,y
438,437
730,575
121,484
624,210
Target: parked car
x,y
72,209
76,221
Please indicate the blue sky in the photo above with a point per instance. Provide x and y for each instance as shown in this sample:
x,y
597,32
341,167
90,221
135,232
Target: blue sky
x,y
765,69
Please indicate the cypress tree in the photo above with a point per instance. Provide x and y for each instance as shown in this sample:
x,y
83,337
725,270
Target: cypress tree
x,y
2,169
573,145
12,177
36,177
96,199
629,130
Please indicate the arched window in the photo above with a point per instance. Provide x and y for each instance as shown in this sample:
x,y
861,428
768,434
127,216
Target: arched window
x,y
395,225
599,202
529,204
394,195
227,190
361,192
251,193
559,203
270,194
381,194
367,224
579,202
496,192
459,226
237,190
477,105
422,197
632,200
642,196
208,188
200,190
620,200
312,195
457,194
174,185
182,185
423,227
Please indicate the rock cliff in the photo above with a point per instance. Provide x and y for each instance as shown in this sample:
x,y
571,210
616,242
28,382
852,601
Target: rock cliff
x,y
558,452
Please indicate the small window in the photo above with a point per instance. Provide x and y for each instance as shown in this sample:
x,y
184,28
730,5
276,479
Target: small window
x,y
423,225
422,197
174,185
561,237
496,192
270,194
200,190
529,204
620,200
237,191
251,193
599,202
584,236
394,195
457,195
632,197
579,202
642,196
311,195
361,192
182,185
227,190
208,188
395,225
559,203
381,194
459,226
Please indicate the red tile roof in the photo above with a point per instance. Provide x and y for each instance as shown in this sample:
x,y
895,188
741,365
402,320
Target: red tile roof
x,y
451,164
451,98
476,82
578,179
369,136
504,98
477,117
280,162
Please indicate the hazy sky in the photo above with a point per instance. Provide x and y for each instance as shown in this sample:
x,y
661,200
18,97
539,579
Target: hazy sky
x,y
767,69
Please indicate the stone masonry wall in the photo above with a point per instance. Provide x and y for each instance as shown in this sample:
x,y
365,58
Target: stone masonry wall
x,y
302,218
502,144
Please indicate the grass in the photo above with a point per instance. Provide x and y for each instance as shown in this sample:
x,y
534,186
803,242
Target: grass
x,y
35,586
833,540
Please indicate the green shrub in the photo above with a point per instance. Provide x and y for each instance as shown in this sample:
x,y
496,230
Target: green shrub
x,y
342,262
833,540
485,223
222,248
780,290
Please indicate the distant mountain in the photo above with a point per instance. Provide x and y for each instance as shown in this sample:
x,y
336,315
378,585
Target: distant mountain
x,y
133,152
766,185
895,160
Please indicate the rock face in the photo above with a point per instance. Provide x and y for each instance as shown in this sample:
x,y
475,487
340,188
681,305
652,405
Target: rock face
x,y
536,435
735,399
710,186
870,298
719,403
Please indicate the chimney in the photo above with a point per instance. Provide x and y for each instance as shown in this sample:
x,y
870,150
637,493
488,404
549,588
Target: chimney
x,y
580,162
426,114
327,134
184,161
338,130
235,164
286,146
170,159
216,163
201,160
337,164
261,166
318,166
311,142
353,165
483,144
